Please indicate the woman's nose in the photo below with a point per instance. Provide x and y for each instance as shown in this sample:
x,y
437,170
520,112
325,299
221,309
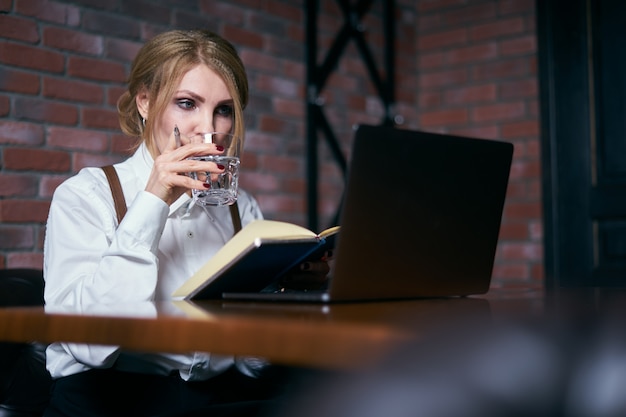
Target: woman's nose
x,y
206,125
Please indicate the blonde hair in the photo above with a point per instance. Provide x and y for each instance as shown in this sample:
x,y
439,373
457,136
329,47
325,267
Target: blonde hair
x,y
160,65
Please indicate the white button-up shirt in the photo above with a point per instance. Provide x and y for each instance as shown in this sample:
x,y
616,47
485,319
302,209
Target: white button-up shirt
x,y
91,261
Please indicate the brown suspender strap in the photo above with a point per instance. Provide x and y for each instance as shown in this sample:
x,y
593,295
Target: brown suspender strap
x,y
234,214
116,190
120,202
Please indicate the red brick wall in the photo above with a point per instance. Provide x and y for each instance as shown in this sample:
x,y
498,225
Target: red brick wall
x,y
465,67
477,72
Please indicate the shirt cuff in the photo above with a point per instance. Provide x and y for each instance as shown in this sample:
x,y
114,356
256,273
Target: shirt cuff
x,y
145,220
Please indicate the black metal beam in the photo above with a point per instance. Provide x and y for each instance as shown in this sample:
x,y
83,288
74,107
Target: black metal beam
x,y
317,75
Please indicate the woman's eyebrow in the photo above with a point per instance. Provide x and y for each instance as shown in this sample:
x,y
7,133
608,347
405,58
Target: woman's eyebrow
x,y
191,94
228,101
201,99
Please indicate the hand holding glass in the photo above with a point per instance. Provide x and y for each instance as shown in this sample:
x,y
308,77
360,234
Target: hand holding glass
x,y
222,187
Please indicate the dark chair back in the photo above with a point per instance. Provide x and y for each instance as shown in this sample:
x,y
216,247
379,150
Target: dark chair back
x,y
24,380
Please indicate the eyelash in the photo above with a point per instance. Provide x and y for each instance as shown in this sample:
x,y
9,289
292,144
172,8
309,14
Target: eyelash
x,y
224,110
186,104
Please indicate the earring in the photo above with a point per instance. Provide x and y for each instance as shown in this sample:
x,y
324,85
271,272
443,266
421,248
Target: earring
x,y
143,121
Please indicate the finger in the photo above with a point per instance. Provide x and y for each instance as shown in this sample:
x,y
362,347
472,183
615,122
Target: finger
x,y
304,280
315,267
188,183
198,149
200,164
177,136
328,255
174,142
169,185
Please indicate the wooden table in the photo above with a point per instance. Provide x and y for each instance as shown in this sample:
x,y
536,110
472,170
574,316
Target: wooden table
x,y
337,336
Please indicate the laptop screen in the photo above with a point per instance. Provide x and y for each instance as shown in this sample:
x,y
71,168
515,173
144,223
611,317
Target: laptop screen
x,y
421,215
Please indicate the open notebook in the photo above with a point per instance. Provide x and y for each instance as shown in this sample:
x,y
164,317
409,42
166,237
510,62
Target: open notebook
x,y
421,218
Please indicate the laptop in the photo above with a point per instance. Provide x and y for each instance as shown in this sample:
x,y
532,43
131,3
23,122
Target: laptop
x,y
420,219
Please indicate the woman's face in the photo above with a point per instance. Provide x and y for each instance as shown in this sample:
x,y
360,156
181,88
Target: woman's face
x,y
201,103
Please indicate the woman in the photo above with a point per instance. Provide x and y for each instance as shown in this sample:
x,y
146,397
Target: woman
x,y
192,82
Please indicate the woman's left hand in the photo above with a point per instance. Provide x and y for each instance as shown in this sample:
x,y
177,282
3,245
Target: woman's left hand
x,y
309,275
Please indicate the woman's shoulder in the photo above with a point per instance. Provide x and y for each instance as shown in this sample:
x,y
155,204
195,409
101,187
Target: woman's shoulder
x,y
248,206
245,198
86,195
93,179
88,179
87,188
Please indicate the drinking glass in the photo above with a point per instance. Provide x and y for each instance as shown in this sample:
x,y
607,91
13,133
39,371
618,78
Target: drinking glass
x,y
222,187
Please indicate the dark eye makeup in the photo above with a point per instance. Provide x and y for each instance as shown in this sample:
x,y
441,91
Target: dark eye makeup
x,y
224,110
221,110
186,104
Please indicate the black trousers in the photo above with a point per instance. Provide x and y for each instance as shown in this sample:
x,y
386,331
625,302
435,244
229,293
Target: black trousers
x,y
109,392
